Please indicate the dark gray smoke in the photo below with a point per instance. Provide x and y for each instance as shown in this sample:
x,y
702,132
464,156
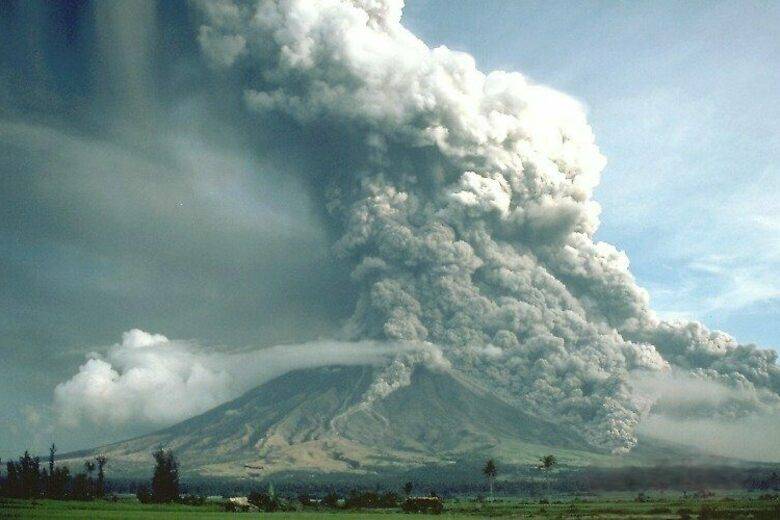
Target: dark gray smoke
x,y
464,202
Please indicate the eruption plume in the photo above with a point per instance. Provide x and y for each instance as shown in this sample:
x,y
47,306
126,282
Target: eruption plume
x,y
464,202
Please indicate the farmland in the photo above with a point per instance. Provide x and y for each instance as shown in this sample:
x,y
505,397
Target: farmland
x,y
667,506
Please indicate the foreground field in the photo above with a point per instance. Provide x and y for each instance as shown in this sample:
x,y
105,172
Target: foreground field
x,y
606,508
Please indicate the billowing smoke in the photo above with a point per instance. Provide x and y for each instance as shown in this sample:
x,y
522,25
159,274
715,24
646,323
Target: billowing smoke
x,y
152,380
464,202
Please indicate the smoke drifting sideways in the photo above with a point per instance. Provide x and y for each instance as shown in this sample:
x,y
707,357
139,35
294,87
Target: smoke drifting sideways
x,y
124,383
464,202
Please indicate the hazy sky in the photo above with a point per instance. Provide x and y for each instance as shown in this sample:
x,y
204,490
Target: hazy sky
x,y
127,200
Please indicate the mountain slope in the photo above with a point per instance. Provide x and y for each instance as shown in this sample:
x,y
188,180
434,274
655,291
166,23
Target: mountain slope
x,y
313,420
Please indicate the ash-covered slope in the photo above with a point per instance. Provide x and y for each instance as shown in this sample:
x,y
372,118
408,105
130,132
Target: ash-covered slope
x,y
313,420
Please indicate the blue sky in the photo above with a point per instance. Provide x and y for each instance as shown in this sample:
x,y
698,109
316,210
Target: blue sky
x,y
684,99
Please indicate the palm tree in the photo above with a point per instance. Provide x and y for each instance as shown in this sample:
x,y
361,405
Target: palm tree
x,y
490,472
101,476
52,451
545,464
50,479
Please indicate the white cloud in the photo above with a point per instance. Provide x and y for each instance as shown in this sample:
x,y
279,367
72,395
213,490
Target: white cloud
x,y
151,379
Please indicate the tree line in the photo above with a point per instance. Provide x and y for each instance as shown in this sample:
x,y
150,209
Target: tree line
x,y
25,478
270,501
546,463
28,478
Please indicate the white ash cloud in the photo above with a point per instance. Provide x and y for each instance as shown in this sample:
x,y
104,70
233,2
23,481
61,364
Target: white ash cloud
x,y
464,201
150,379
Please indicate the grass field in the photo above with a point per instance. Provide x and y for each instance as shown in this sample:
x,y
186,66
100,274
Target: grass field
x,y
736,507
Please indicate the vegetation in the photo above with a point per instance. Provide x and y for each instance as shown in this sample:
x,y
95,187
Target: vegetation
x,y
490,473
33,491
270,502
26,479
429,505
546,463
165,481
101,461
371,500
625,507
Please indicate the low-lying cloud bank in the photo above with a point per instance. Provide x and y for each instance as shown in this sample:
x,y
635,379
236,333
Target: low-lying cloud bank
x,y
690,408
753,437
151,379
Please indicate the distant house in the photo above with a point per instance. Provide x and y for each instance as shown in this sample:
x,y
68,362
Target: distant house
x,y
239,501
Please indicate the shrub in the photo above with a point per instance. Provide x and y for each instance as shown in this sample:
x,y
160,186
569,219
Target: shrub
x,y
371,500
428,505
58,484
331,500
82,488
269,503
264,502
143,495
192,500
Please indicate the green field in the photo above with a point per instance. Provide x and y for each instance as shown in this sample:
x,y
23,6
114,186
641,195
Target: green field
x,y
598,507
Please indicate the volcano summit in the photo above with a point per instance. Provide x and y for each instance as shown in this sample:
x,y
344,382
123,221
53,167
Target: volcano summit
x,y
462,204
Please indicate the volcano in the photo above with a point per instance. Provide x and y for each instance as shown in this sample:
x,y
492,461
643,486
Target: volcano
x,y
315,420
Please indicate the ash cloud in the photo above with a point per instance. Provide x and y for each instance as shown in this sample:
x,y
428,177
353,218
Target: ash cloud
x,y
464,202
